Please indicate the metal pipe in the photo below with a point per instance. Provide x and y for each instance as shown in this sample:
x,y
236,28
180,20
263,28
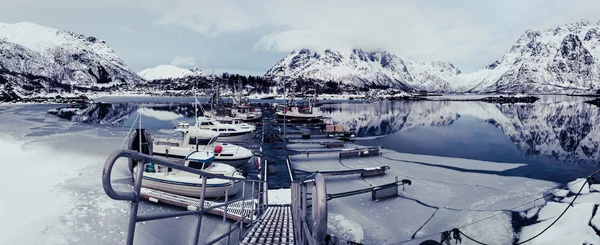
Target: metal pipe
x,y
133,211
226,203
199,225
266,187
253,205
243,208
319,209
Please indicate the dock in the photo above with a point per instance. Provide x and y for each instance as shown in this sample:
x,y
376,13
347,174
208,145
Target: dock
x,y
302,220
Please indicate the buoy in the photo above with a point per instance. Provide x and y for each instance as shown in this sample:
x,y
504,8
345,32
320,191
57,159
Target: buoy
x,y
218,149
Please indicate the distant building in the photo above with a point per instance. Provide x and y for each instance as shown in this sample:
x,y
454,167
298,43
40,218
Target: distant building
x,y
422,92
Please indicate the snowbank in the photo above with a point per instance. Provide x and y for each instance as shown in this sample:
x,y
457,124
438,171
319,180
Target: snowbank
x,y
280,196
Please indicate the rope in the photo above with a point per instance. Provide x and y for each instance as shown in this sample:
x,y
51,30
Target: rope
x,y
494,215
130,130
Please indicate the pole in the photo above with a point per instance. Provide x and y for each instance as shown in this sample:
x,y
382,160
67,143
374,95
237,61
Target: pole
x,y
286,109
195,106
140,132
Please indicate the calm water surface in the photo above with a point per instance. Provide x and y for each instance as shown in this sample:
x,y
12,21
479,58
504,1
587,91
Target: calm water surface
x,y
554,131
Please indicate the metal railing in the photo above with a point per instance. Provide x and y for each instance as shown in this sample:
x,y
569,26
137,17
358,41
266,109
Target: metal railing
x,y
309,228
258,192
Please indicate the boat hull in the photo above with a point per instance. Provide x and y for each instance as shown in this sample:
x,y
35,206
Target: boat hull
x,y
185,189
188,185
299,117
232,155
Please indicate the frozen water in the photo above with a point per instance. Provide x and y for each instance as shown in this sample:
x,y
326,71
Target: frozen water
x,y
445,193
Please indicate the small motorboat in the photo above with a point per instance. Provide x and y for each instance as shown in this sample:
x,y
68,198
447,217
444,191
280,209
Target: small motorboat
x,y
190,184
194,139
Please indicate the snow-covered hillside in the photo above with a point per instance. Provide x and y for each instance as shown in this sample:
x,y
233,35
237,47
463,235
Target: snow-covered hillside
x,y
37,60
168,72
556,60
366,69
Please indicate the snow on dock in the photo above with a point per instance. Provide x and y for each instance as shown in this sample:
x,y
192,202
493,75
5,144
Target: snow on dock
x,y
445,193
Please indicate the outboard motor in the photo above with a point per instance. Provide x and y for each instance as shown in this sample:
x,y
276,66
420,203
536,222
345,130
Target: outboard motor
x,y
134,145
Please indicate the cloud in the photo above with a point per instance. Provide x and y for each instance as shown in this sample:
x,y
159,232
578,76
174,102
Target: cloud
x,y
468,32
181,61
208,17
127,29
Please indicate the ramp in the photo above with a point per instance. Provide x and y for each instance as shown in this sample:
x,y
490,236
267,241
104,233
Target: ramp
x,y
275,227
234,211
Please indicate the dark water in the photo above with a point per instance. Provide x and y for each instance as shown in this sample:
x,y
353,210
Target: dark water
x,y
555,130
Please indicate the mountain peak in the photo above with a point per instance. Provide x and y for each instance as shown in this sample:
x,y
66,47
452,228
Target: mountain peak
x,y
39,56
167,72
365,68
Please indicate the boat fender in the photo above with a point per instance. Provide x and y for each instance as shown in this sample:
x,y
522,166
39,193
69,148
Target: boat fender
x,y
134,144
152,199
192,208
218,149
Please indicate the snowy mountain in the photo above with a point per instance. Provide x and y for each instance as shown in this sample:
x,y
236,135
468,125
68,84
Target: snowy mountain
x,y
557,60
366,69
168,72
41,61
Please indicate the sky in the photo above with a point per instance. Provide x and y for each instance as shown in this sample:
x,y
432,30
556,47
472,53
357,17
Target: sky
x,y
248,37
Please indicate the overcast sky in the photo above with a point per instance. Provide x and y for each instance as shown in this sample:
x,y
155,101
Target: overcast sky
x,y
250,36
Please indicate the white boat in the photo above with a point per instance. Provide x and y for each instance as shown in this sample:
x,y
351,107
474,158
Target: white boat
x,y
189,184
295,112
234,121
231,132
241,108
246,113
193,139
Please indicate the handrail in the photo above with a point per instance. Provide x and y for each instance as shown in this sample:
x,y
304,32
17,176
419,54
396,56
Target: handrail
x,y
134,196
315,232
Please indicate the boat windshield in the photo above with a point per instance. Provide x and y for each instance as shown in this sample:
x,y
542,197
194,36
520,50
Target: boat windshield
x,y
213,140
199,141
198,165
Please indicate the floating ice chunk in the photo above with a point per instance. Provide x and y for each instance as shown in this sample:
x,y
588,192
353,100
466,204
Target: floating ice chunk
x,y
532,212
572,228
575,186
595,187
560,192
589,198
551,210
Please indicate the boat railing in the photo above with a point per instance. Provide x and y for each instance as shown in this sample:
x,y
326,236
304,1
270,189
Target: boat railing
x,y
309,227
258,193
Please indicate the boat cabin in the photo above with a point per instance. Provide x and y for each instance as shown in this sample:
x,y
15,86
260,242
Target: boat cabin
x,y
199,159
